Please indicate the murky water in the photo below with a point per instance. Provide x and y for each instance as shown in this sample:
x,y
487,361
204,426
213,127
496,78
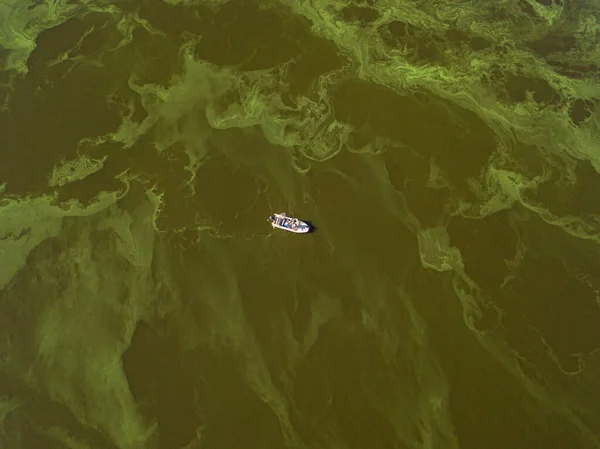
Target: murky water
x,y
445,152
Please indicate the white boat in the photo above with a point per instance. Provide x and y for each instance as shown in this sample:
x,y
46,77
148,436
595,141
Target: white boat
x,y
291,224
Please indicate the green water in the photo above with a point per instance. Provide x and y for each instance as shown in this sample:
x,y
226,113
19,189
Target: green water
x,y
445,151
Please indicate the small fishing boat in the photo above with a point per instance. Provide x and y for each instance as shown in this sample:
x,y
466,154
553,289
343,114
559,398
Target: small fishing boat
x,y
282,221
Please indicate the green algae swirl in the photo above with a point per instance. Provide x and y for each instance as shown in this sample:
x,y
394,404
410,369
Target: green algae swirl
x,y
446,151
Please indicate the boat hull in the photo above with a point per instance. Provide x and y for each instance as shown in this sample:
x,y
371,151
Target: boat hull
x,y
289,224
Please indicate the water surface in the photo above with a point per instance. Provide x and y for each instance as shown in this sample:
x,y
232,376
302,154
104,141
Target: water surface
x,y
446,152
